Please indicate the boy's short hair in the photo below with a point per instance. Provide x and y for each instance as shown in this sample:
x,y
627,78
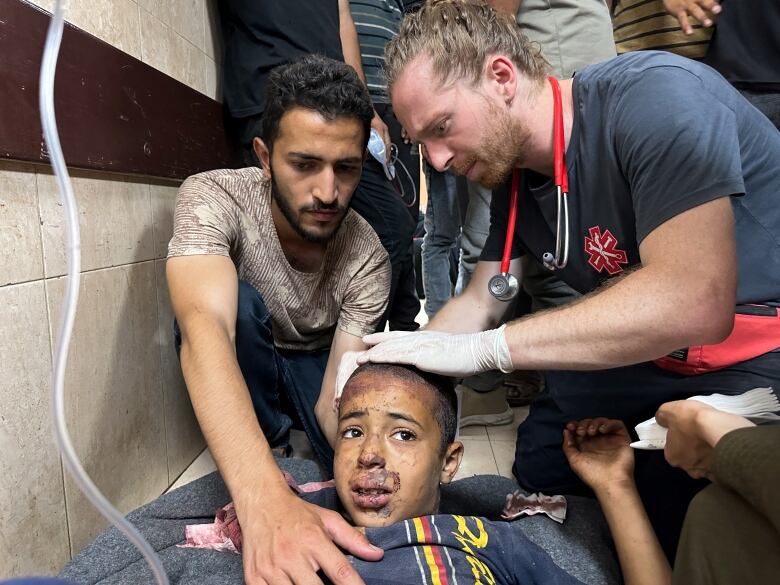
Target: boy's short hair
x,y
445,409
313,82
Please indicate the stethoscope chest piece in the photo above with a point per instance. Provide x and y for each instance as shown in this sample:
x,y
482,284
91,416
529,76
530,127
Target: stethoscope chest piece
x,y
504,286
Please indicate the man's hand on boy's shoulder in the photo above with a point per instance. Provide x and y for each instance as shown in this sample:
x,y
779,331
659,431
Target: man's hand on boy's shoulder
x,y
287,540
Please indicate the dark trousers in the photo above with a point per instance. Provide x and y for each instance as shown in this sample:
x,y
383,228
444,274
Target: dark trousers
x,y
408,155
378,203
631,394
284,384
767,102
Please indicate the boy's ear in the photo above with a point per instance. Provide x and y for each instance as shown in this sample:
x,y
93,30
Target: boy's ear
x,y
262,152
452,458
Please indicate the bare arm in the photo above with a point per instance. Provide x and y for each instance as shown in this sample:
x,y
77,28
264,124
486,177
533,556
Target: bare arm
x,y
326,414
350,45
684,294
599,453
282,535
475,309
204,292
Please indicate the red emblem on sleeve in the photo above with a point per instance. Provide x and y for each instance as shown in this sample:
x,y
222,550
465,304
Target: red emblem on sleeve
x,y
603,252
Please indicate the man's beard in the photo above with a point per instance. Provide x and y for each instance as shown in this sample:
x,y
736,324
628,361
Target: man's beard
x,y
293,218
500,151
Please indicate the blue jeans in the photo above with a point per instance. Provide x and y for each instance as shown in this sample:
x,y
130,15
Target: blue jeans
x,y
284,384
442,237
631,394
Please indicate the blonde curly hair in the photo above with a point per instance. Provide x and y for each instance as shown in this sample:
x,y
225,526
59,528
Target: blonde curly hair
x,y
459,36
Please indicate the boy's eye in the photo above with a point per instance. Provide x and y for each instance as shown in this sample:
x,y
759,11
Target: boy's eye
x,y
302,166
404,435
441,129
351,433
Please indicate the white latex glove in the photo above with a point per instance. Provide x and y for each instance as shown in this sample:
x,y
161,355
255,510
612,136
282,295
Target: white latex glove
x,y
450,354
347,365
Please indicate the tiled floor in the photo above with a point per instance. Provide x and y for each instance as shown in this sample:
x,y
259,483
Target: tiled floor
x,y
487,450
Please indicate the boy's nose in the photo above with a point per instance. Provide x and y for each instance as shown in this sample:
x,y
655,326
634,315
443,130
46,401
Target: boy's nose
x,y
370,458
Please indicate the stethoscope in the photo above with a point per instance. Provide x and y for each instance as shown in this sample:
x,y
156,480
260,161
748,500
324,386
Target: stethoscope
x,y
504,286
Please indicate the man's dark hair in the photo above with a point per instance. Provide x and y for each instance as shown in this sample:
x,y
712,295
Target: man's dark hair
x,y
445,409
328,87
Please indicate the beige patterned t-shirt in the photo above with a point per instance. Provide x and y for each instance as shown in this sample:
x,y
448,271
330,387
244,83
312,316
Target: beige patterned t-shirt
x,y
228,213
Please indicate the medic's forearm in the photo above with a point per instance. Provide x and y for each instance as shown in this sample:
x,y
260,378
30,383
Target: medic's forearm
x,y
475,309
224,410
462,314
643,316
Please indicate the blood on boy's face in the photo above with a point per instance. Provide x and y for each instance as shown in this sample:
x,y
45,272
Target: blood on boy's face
x,y
388,461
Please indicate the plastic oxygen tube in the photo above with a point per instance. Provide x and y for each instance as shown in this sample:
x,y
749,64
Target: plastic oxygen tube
x,y
69,457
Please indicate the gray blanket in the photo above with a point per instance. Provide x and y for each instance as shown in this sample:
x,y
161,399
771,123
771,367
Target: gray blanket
x,y
581,546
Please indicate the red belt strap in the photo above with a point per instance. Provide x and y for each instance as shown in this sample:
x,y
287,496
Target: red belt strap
x,y
756,332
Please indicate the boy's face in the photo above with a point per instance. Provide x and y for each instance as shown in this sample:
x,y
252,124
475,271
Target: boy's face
x,y
388,462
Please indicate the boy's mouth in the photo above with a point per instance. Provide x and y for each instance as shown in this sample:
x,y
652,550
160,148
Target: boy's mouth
x,y
371,492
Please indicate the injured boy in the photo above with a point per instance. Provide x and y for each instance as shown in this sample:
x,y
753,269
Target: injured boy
x,y
396,445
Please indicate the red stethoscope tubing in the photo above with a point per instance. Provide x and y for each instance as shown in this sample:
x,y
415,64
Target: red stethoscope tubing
x,y
561,177
510,224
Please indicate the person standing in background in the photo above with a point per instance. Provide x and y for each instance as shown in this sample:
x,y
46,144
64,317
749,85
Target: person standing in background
x,y
745,49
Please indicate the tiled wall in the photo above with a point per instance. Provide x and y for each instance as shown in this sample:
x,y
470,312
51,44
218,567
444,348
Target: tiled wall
x,y
127,408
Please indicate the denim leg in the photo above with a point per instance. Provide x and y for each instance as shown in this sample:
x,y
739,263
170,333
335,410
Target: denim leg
x,y
259,362
303,374
260,365
476,226
377,202
442,230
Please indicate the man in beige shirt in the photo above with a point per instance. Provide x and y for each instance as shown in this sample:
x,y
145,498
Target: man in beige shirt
x,y
272,278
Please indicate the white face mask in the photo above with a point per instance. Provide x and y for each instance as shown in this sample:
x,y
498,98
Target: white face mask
x,y
376,146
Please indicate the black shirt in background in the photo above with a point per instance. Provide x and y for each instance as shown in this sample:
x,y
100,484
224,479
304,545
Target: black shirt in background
x,y
745,47
258,35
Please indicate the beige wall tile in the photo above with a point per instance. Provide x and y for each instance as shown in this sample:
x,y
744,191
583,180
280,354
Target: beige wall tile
x,y
115,406
213,43
203,465
163,205
20,226
33,531
164,49
184,438
113,21
213,85
185,17
47,5
115,221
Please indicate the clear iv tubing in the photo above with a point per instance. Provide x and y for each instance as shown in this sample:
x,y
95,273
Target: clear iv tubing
x,y
69,457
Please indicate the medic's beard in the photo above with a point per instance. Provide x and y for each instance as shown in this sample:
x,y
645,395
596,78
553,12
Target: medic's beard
x,y
499,151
